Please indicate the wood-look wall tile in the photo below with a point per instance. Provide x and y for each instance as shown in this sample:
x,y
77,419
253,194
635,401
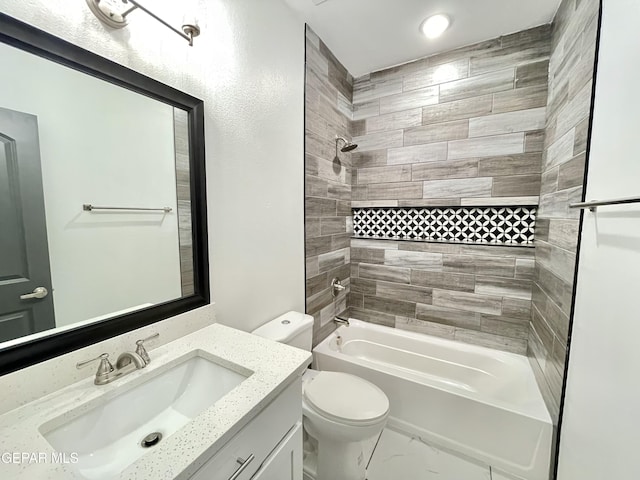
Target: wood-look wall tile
x,y
561,151
457,110
499,342
516,308
374,203
366,91
379,140
520,99
373,158
525,38
466,168
409,100
312,227
557,260
563,233
427,328
487,146
487,46
406,293
508,251
338,191
333,225
317,302
499,327
408,259
315,285
448,316
363,286
502,123
555,288
432,152
575,111
581,136
394,191
477,85
355,299
495,266
549,181
320,207
365,110
532,74
523,164
315,186
384,273
330,260
311,267
358,127
367,255
497,201
437,132
472,187
534,141
390,306
399,173
317,245
370,316
340,240
444,281
394,121
525,268
437,74
506,57
431,247
454,263
504,287
571,173
469,302
516,185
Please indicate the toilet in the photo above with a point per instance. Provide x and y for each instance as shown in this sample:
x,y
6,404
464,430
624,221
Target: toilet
x,y
342,413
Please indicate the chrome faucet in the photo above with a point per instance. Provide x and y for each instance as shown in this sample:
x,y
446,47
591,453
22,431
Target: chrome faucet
x,y
341,321
107,373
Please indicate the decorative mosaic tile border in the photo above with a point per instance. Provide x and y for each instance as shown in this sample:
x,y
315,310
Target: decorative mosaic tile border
x,y
512,225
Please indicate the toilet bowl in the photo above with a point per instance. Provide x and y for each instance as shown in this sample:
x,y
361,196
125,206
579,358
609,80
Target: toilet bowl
x,y
341,412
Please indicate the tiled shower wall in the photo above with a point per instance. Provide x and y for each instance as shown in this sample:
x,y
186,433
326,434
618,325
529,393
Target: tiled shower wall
x,y
570,84
328,96
462,128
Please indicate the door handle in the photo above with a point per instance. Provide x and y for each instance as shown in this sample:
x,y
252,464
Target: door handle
x,y
38,292
243,465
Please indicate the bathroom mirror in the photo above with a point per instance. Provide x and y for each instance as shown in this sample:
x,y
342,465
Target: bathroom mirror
x,y
102,198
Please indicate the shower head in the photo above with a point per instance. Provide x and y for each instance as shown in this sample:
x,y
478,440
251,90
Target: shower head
x,y
348,146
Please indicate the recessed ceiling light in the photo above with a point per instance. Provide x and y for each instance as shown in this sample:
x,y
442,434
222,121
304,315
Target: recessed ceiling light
x,y
435,26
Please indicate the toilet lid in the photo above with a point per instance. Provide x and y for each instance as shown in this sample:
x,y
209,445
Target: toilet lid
x,y
346,398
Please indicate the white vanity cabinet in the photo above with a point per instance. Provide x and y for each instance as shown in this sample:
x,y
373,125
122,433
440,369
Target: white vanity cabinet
x,y
269,447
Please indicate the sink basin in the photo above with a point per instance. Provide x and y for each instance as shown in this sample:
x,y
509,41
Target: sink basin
x,y
110,437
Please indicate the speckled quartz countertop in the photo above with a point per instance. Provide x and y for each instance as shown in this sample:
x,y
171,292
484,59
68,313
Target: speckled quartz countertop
x,y
179,455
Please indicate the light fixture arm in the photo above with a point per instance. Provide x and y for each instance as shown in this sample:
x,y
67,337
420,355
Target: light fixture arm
x,y
189,31
107,12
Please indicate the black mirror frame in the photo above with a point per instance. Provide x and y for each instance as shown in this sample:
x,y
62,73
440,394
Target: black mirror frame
x,y
30,39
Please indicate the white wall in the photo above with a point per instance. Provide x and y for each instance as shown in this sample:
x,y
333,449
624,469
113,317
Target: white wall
x,y
599,438
104,145
248,66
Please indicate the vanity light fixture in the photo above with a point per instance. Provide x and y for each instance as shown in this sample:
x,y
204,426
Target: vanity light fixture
x,y
115,14
435,25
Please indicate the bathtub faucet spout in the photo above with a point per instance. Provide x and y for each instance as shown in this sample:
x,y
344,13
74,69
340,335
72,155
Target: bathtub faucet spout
x,y
341,321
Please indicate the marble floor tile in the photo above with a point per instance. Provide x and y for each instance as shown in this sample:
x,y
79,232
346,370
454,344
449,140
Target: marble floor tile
x,y
401,457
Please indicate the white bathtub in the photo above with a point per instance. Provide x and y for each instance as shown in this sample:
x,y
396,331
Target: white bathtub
x,y
477,401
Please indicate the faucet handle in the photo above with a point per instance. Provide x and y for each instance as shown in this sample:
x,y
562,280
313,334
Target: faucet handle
x,y
104,368
140,350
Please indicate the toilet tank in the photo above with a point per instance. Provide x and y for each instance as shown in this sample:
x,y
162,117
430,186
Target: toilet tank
x,y
292,328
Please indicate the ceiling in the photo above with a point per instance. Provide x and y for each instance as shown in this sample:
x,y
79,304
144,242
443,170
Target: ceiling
x,y
370,35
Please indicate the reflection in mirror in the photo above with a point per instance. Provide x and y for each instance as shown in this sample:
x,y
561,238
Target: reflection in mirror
x,y
68,139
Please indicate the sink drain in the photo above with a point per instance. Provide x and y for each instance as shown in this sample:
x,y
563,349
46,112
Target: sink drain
x,y
151,440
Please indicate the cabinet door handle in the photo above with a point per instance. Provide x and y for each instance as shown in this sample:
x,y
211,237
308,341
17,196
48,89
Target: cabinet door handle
x,y
243,464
